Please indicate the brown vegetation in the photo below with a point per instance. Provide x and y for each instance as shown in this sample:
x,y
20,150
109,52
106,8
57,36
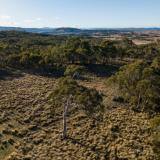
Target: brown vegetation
x,y
30,126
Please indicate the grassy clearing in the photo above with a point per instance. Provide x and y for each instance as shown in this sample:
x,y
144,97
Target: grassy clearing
x,y
36,125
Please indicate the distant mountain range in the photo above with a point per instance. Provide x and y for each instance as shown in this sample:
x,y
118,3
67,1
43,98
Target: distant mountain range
x,y
76,31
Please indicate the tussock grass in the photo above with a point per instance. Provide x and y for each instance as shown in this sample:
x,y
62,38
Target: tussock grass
x,y
35,125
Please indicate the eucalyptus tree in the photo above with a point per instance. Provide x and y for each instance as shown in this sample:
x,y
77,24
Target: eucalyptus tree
x,y
70,94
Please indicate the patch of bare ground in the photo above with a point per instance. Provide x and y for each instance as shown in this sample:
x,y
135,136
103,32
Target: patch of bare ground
x,y
30,126
142,42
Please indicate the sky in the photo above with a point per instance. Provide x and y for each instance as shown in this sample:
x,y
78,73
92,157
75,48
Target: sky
x,y
80,13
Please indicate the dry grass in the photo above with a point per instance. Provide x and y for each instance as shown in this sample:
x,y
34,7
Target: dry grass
x,y
35,125
141,42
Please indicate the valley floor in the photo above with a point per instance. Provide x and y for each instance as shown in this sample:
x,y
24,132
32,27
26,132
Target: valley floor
x,y
30,126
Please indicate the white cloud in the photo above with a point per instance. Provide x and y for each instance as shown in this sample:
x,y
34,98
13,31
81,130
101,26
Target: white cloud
x,y
9,23
38,19
5,17
32,20
57,18
28,21
6,20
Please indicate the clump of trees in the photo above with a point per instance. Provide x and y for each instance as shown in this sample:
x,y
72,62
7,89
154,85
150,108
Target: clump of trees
x,y
29,50
156,64
72,95
139,84
90,100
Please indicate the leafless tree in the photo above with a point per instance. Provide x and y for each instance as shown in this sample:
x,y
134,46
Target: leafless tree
x,y
66,106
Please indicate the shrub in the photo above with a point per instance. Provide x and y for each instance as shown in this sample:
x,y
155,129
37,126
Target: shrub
x,y
156,64
75,71
13,60
72,96
88,100
139,84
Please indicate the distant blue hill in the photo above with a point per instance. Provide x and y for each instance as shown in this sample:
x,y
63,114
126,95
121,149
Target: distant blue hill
x,y
76,31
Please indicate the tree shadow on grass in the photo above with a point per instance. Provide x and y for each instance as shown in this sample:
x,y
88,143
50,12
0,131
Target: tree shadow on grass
x,y
49,73
99,152
101,70
9,74
84,145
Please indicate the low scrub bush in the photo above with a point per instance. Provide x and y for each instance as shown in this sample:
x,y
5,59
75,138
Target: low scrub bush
x,y
139,84
88,100
75,71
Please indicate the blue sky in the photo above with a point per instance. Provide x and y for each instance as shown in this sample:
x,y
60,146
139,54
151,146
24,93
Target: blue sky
x,y
80,13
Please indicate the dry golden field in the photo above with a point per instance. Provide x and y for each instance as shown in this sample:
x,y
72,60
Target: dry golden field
x,y
30,126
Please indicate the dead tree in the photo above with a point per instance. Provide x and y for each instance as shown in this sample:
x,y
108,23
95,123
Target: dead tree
x,y
66,106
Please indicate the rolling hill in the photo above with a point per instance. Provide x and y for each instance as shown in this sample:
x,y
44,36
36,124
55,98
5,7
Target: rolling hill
x,y
76,31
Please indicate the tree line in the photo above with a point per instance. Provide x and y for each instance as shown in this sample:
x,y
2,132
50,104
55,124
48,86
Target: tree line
x,y
26,50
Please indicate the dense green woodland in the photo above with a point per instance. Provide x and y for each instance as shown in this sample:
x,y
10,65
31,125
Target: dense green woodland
x,y
28,50
138,80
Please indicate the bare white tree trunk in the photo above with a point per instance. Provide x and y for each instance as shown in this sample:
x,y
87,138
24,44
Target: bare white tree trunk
x,y
65,117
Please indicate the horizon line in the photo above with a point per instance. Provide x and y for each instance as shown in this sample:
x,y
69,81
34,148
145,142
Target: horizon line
x,y
145,27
